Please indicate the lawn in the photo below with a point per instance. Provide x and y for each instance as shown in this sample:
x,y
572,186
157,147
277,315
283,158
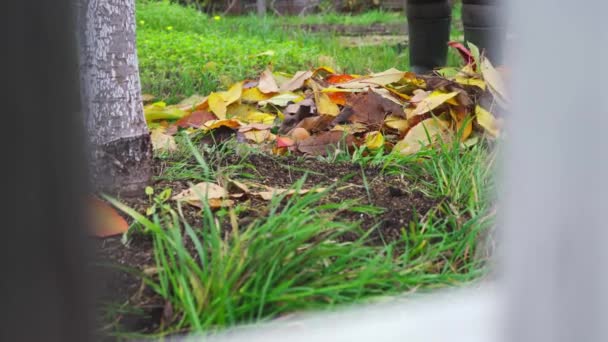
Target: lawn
x,y
372,224
182,51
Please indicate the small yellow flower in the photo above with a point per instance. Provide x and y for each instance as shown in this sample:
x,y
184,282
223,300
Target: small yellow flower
x,y
169,28
217,18
142,22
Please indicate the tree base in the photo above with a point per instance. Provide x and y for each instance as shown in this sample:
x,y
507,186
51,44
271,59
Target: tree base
x,y
123,167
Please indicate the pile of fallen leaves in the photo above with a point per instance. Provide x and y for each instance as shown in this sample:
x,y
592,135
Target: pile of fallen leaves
x,y
317,111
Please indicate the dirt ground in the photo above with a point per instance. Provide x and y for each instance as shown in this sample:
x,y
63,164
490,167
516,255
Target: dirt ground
x,y
399,200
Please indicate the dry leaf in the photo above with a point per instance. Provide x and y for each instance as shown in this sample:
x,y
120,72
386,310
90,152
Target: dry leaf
x,y
162,142
356,127
494,79
230,123
192,102
434,100
282,100
254,95
486,120
160,111
325,106
253,126
215,195
396,122
370,109
219,102
316,123
470,82
374,140
325,142
337,79
267,83
195,119
380,79
105,220
297,81
257,136
419,135
419,95
260,117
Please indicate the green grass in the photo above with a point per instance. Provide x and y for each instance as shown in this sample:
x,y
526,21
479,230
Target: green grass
x,y
221,274
182,52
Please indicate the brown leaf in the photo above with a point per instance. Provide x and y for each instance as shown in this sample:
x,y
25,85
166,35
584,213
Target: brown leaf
x,y
267,83
215,194
324,143
105,220
297,81
195,119
316,123
370,109
294,113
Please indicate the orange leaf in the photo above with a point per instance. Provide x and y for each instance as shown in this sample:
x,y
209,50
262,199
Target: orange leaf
x,y
105,220
339,78
337,98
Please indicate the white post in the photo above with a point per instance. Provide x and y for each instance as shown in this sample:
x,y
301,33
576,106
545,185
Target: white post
x,y
556,189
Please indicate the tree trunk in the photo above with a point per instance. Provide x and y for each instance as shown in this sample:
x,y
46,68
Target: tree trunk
x,y
121,152
261,6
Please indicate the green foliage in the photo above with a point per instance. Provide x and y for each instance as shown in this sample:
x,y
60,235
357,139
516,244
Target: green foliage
x,y
183,51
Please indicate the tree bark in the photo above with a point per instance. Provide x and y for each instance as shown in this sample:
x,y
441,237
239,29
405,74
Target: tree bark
x,y
121,151
261,6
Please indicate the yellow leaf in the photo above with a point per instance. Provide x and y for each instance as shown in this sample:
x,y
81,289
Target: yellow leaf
x,y
325,106
486,120
436,99
418,136
470,82
324,68
374,140
219,102
254,95
396,122
233,94
239,111
257,136
282,100
217,105
213,124
380,79
460,118
160,111
162,142
260,117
